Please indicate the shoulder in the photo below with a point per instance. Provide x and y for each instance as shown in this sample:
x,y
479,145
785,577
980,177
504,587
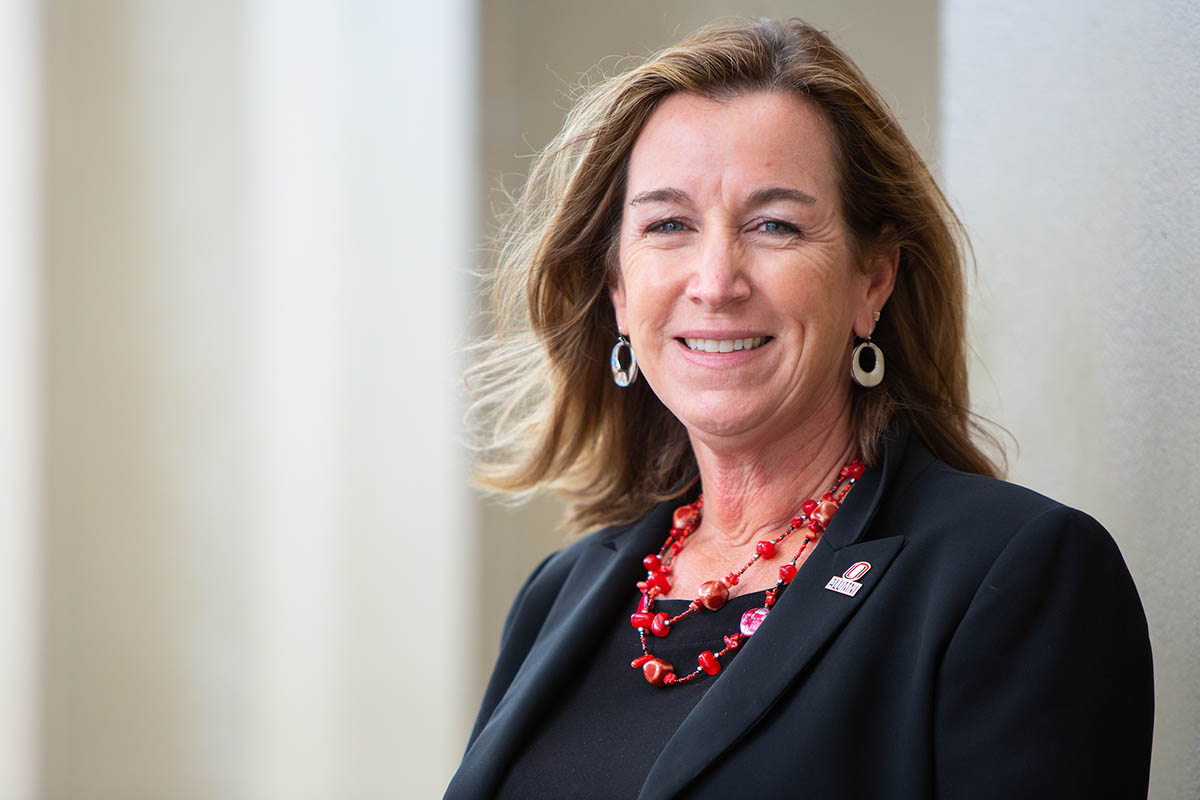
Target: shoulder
x,y
965,536
940,505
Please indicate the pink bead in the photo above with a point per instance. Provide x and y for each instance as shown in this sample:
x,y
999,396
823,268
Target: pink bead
x,y
752,619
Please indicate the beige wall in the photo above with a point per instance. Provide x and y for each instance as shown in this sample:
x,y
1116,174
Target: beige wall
x,y
1071,137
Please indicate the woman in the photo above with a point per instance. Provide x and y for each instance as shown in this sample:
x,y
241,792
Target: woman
x,y
808,579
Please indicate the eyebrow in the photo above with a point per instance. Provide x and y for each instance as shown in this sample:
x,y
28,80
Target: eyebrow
x,y
763,196
660,196
758,198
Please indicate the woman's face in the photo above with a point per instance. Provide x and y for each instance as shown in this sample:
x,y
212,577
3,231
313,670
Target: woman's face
x,y
737,285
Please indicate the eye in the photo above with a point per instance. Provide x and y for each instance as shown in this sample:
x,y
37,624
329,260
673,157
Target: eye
x,y
666,226
778,226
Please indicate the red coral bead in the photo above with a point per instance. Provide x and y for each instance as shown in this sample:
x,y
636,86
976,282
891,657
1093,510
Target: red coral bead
x,y
733,641
640,660
787,572
709,663
815,525
731,579
659,625
659,581
808,506
712,594
857,469
643,603
651,562
769,600
765,548
797,522
641,619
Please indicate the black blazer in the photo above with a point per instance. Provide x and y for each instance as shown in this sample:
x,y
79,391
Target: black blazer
x,y
996,649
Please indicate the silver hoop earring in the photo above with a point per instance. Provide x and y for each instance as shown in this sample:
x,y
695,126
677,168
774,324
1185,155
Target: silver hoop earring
x,y
870,374
623,376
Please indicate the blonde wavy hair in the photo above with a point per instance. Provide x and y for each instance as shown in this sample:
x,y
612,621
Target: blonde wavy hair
x,y
545,412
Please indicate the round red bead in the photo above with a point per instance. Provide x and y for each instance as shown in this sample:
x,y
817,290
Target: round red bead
x,y
765,548
655,670
712,594
808,506
685,517
651,562
659,625
787,572
857,469
641,619
669,678
709,663
824,511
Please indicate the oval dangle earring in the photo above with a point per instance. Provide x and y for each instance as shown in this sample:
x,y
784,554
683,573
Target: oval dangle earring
x,y
622,375
866,362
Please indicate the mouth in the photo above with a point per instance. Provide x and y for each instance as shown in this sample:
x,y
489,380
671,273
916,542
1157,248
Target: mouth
x,y
724,345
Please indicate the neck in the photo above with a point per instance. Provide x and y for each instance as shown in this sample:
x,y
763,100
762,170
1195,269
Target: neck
x,y
752,492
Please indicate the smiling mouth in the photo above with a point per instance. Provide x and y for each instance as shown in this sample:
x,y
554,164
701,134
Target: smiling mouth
x,y
725,345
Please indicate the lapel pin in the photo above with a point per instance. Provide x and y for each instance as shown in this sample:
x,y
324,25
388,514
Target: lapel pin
x,y
847,583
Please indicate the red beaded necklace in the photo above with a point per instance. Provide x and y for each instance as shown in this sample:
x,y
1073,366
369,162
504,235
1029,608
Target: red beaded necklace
x,y
814,516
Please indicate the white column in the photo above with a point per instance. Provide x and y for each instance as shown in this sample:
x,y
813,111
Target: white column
x,y
1072,146
19,377
259,226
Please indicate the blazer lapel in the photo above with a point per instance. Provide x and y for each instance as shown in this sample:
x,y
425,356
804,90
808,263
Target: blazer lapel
x,y
806,617
599,583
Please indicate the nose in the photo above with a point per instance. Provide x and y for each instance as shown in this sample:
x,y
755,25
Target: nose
x,y
719,276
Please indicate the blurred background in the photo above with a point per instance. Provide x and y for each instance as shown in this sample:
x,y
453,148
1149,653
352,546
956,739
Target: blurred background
x,y
239,556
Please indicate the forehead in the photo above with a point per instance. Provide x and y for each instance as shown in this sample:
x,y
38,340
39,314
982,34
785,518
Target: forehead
x,y
749,140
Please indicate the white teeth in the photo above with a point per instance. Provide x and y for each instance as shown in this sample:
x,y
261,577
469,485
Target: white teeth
x,y
724,345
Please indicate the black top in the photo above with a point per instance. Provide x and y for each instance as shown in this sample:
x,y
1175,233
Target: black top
x,y
608,726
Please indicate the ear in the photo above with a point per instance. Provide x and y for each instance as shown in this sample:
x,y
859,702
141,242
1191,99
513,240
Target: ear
x,y
881,266
616,292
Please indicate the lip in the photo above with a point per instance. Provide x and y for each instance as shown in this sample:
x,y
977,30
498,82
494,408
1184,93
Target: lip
x,y
730,359
710,333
